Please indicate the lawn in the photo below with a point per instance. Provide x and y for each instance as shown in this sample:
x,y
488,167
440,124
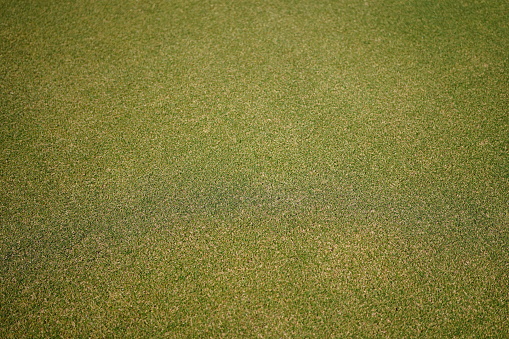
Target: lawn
x,y
285,168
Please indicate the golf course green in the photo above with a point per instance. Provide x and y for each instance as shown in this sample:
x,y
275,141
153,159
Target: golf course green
x,y
254,168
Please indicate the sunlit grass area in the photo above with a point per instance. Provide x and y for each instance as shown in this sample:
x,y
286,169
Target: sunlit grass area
x,y
254,168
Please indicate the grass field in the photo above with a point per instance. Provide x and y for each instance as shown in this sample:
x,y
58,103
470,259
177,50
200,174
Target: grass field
x,y
278,169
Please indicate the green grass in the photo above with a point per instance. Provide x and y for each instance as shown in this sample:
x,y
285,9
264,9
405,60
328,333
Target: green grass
x,y
254,169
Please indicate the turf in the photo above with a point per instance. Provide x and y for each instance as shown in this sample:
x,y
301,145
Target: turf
x,y
254,168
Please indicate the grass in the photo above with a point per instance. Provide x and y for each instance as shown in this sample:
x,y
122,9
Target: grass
x,y
258,169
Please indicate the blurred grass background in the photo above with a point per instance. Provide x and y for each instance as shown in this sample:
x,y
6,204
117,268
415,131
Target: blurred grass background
x,y
254,168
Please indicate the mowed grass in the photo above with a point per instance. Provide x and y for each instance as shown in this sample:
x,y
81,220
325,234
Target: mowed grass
x,y
254,168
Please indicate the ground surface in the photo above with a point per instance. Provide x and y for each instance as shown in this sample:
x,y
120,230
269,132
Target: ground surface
x,y
254,168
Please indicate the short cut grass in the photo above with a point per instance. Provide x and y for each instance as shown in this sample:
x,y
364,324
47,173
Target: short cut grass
x,y
276,169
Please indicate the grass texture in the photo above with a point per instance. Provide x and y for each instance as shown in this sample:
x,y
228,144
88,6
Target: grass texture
x,y
286,168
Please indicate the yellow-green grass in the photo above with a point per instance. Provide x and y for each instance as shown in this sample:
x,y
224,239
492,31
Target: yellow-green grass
x,y
254,168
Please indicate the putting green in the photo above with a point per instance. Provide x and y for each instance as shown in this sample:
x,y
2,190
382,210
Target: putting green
x,y
254,169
